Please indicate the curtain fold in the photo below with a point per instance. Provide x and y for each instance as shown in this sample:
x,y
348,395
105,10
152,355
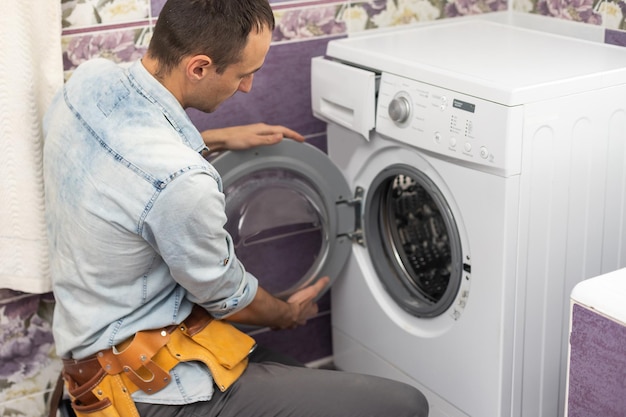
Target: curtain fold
x,y
31,71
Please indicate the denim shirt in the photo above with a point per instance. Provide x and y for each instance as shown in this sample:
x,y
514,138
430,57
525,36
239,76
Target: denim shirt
x,y
135,219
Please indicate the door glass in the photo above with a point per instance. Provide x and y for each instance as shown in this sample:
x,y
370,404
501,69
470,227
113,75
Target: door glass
x,y
414,241
276,221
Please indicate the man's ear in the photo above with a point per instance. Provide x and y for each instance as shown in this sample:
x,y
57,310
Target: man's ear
x,y
198,67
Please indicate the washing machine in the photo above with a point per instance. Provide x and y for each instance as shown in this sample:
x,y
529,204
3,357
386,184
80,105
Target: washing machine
x,y
486,166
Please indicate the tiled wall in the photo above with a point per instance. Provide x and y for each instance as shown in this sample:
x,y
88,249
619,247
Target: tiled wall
x,y
120,30
609,14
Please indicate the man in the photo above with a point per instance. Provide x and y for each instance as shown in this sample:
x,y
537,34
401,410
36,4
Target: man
x,y
139,251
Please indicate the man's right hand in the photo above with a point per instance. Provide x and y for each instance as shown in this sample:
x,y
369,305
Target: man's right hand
x,y
267,310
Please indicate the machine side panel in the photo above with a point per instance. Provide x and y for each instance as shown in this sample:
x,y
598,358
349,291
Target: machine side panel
x,y
564,227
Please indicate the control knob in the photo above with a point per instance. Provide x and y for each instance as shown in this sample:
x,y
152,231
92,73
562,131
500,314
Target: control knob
x,y
399,109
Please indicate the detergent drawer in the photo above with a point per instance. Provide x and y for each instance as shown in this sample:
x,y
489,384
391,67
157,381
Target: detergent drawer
x,y
344,95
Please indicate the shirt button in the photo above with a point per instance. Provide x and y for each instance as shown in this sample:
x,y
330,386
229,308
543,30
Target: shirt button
x,y
225,261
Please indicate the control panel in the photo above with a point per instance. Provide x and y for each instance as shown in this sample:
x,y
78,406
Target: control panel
x,y
450,124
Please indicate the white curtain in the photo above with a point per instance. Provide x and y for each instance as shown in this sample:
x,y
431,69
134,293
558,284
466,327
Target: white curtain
x,y
30,72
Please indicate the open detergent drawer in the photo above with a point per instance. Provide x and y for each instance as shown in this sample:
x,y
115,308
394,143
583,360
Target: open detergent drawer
x,y
344,95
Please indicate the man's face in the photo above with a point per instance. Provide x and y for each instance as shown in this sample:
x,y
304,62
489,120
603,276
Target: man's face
x,y
216,88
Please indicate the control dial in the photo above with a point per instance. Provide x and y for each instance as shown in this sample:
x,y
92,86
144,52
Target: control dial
x,y
399,109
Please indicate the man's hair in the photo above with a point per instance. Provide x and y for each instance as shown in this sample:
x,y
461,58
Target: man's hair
x,y
216,28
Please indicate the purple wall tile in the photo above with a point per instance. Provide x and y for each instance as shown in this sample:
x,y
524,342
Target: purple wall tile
x,y
615,37
306,344
597,376
280,93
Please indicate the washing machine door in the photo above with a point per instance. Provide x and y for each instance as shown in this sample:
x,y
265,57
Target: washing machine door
x,y
283,214
414,241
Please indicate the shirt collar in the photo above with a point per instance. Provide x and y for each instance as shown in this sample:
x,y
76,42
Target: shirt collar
x,y
154,91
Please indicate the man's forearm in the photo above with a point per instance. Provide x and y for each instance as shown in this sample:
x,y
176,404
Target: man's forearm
x,y
266,310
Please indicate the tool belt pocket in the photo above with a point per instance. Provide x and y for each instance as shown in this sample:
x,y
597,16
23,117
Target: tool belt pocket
x,y
222,347
102,396
229,345
101,408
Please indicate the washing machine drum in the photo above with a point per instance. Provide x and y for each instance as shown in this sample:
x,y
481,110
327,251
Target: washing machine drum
x,y
413,241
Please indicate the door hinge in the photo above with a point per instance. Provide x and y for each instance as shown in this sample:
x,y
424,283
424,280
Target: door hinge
x,y
356,202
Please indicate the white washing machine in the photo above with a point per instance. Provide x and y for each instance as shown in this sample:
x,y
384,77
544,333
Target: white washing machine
x,y
487,166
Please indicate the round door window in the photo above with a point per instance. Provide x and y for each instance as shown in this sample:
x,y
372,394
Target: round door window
x,y
413,240
277,225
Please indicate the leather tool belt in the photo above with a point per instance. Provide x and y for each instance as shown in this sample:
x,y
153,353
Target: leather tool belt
x,y
101,385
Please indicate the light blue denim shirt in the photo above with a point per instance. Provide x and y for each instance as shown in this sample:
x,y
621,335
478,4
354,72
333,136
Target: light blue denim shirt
x,y
135,219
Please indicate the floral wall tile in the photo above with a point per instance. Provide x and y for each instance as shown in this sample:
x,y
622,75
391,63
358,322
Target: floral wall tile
x,y
579,10
28,363
121,46
388,13
457,8
308,22
608,13
363,15
88,13
613,13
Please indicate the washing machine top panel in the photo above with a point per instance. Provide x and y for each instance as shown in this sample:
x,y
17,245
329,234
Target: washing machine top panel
x,y
497,62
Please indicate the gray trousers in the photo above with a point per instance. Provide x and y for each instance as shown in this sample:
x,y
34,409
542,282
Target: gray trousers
x,y
272,389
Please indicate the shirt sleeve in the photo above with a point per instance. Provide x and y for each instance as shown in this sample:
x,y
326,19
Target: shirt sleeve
x,y
186,227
